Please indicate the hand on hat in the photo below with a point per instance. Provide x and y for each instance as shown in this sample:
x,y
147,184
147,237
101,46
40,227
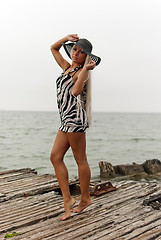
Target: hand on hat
x,y
91,65
73,37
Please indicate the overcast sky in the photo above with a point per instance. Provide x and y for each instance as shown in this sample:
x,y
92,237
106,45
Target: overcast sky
x,y
126,34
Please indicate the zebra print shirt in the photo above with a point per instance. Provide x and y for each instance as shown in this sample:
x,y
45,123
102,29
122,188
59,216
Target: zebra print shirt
x,y
72,109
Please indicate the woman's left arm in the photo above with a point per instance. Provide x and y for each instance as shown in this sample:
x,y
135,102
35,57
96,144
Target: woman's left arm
x,y
82,78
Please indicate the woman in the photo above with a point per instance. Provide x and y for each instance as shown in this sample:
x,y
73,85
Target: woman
x,y
72,99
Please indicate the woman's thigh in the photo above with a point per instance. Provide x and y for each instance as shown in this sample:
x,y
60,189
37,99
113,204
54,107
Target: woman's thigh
x,y
77,142
60,147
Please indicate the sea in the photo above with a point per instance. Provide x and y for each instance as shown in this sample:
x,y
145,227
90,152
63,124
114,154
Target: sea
x,y
27,137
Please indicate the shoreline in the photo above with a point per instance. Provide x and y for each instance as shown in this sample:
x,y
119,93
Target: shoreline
x,y
137,177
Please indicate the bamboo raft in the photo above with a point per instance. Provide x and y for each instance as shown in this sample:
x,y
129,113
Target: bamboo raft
x,y
31,206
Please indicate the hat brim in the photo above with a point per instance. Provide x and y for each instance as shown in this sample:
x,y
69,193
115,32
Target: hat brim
x,y
68,48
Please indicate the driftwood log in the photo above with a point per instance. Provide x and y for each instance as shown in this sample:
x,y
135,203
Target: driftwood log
x,y
107,170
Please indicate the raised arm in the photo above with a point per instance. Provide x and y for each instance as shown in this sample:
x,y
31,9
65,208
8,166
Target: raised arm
x,y
82,78
56,47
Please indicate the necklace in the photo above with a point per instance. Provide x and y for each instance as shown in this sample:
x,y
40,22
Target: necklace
x,y
76,69
72,70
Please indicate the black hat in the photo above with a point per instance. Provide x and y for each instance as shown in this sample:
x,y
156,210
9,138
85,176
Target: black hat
x,y
85,45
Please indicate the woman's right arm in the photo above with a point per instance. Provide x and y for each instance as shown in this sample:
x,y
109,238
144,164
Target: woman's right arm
x,y
57,45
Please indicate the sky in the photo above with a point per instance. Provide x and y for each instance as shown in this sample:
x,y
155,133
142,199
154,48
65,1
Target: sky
x,y
126,34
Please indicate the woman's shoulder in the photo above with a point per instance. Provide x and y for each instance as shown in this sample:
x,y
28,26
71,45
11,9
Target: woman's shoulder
x,y
66,66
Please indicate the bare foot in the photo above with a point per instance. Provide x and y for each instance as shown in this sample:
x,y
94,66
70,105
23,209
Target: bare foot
x,y
67,206
82,205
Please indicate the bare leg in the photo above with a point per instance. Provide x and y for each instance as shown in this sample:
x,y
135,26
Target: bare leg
x,y
60,147
78,144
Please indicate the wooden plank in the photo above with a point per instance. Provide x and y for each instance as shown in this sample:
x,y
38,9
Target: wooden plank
x,y
23,170
28,187
116,215
13,175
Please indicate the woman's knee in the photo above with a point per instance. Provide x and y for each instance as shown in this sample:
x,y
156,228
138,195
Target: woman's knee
x,y
55,158
80,159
